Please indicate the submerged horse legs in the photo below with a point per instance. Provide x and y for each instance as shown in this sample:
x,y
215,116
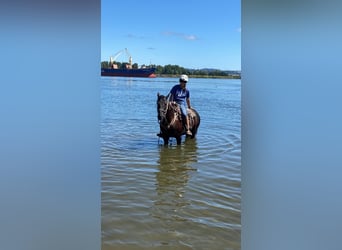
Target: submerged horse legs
x,y
179,140
166,139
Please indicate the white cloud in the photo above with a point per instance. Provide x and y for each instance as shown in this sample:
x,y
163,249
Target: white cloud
x,y
134,36
181,35
190,37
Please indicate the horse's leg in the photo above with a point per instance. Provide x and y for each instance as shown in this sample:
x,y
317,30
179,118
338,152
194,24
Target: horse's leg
x,y
166,140
194,128
194,132
179,140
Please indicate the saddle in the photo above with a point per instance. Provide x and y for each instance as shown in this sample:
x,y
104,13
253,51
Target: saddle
x,y
175,107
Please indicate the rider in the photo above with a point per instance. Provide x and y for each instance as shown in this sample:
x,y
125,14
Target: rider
x,y
181,95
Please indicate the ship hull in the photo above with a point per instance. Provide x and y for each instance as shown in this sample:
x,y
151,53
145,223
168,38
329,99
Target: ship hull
x,y
148,72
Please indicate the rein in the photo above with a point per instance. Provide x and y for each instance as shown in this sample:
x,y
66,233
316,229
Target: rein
x,y
175,116
163,121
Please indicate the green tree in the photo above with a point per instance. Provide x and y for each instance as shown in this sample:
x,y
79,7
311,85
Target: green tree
x,y
104,64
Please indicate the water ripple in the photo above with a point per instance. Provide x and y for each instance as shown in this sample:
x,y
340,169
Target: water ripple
x,y
172,197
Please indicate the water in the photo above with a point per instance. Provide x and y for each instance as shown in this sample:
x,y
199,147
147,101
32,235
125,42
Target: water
x,y
173,197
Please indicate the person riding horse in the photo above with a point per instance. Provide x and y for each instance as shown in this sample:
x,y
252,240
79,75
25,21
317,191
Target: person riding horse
x,y
181,95
173,117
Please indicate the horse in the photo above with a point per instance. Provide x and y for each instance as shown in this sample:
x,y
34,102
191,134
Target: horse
x,y
171,122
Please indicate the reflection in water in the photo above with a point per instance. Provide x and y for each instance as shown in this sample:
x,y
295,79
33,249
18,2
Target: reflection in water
x,y
175,168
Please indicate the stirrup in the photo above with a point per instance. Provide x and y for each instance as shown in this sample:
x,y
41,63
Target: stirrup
x,y
188,132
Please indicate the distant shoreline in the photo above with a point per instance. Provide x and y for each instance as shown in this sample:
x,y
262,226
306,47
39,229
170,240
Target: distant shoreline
x,y
202,76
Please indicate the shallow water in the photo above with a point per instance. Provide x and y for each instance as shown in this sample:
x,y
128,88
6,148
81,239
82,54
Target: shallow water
x,y
173,197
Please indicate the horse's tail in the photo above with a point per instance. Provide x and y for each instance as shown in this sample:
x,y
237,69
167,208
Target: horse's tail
x,y
196,120
196,115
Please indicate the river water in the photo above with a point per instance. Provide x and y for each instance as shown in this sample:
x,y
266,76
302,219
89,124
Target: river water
x,y
173,197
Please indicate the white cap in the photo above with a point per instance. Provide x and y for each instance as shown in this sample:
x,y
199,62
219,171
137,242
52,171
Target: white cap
x,y
183,78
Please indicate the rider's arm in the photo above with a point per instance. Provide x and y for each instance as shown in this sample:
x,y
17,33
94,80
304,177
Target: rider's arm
x,y
169,97
188,102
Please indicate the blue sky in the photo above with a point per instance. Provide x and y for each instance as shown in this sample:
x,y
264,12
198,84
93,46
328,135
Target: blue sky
x,y
189,33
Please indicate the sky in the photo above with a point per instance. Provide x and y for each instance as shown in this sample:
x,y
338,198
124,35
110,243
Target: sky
x,y
189,33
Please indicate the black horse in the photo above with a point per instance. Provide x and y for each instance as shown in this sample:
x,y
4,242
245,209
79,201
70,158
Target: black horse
x,y
171,122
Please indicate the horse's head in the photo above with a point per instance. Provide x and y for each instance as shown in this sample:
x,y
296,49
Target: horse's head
x,y
161,106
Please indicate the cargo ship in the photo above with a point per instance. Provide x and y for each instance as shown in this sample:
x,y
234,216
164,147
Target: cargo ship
x,y
142,72
127,70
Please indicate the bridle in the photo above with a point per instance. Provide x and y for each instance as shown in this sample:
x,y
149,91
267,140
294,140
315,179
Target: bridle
x,y
163,111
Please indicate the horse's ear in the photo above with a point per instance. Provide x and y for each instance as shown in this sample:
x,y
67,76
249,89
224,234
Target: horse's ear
x,y
158,94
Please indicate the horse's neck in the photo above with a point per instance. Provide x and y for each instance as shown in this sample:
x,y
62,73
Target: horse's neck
x,y
174,107
173,113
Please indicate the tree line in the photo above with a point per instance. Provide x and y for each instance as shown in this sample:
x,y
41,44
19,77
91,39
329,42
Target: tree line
x,y
170,70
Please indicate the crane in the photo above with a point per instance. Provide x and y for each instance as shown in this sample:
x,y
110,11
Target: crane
x,y
113,58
